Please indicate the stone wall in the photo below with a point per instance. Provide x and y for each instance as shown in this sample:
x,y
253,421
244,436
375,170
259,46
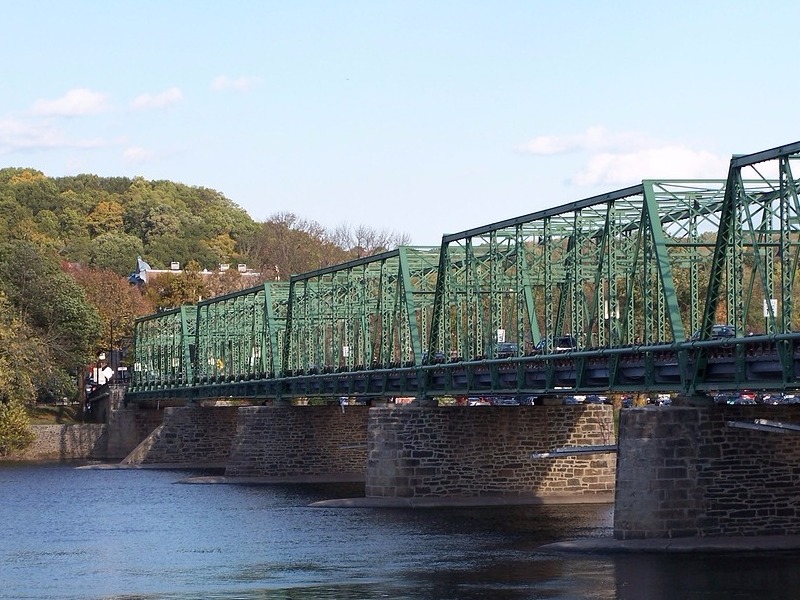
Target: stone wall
x,y
687,472
480,451
300,442
127,427
190,435
63,443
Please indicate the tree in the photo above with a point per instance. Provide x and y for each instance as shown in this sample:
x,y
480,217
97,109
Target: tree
x,y
117,302
34,190
12,214
366,241
115,251
18,371
288,244
226,282
55,307
183,288
106,217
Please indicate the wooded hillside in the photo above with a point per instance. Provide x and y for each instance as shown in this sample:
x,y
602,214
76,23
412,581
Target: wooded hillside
x,y
68,245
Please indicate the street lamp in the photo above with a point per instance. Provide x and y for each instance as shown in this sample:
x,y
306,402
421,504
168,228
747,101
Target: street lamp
x,y
111,343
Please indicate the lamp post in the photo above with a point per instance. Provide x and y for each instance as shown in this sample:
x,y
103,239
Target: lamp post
x,y
111,360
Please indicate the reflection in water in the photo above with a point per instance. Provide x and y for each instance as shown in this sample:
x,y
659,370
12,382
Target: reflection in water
x,y
95,534
708,576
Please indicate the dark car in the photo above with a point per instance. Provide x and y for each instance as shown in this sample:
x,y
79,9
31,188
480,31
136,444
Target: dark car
x,y
506,349
718,332
564,343
438,358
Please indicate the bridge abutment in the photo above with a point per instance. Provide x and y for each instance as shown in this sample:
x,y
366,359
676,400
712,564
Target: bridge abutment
x,y
487,451
707,471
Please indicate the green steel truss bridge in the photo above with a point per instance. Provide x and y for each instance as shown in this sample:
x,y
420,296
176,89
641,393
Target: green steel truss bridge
x,y
617,292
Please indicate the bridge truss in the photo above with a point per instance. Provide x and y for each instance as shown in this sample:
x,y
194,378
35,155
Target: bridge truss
x,y
635,279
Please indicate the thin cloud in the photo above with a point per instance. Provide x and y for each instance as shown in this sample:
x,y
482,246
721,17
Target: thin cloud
x,y
594,139
666,162
163,100
28,136
136,155
627,157
77,102
240,84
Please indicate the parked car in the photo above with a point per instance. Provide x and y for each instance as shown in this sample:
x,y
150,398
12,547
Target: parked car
x,y
504,401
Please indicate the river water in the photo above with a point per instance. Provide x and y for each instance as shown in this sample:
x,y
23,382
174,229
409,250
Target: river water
x,y
138,535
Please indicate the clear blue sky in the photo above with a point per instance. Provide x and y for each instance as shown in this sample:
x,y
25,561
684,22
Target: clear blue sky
x,y
417,117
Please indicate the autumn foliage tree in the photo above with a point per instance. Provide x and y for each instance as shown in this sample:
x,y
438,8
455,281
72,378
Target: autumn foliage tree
x,y
118,304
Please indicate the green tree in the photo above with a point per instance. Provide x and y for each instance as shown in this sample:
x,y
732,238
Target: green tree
x,y
115,251
34,190
52,303
48,224
12,213
18,371
73,224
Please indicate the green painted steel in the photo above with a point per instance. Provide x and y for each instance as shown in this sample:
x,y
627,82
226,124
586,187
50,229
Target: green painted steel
x,y
230,338
240,335
619,291
162,357
368,313
600,270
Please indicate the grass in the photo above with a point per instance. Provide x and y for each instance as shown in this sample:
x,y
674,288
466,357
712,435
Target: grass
x,y
52,414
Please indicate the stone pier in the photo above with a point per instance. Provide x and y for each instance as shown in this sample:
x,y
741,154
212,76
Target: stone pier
x,y
300,443
450,452
190,436
399,452
707,471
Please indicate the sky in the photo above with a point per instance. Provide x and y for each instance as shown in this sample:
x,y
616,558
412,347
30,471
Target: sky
x,y
418,118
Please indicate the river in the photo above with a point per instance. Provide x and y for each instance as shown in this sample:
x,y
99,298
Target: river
x,y
85,534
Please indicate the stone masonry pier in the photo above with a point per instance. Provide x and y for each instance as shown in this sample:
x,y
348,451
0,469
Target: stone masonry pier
x,y
487,451
189,436
399,452
711,471
300,442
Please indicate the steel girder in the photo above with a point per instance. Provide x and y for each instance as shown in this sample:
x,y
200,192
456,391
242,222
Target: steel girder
x,y
162,357
229,338
240,335
601,270
755,262
373,312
